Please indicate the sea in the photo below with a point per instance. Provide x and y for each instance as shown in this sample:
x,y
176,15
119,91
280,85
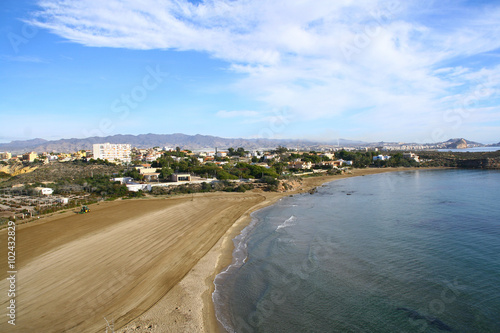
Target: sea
x,y
471,150
413,251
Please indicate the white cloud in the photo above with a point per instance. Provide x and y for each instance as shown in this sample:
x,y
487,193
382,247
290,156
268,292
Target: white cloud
x,y
319,58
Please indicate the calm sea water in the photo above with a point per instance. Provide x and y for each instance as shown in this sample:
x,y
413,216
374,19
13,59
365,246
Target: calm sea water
x,y
472,150
397,252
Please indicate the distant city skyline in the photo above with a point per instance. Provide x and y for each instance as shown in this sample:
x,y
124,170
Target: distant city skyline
x,y
408,71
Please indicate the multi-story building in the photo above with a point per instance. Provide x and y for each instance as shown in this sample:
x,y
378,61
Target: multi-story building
x,y
221,154
112,152
411,156
300,165
381,157
30,157
331,156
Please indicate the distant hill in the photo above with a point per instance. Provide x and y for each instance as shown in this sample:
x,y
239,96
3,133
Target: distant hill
x,y
461,143
198,142
22,145
151,140
456,144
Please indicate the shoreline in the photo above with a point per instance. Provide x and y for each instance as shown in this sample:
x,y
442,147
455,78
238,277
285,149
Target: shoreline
x,y
146,265
195,290
226,251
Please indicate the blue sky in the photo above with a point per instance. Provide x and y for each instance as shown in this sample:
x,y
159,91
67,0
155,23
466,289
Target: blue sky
x,y
421,71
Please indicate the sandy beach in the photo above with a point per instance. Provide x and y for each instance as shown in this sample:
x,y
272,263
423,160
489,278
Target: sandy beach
x,y
143,265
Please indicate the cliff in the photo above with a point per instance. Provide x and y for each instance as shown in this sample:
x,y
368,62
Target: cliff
x,y
17,169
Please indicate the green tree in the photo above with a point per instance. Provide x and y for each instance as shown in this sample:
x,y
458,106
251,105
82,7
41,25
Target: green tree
x,y
165,172
280,150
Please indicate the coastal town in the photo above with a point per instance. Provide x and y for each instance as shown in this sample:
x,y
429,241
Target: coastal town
x,y
33,184
250,166
87,193
109,171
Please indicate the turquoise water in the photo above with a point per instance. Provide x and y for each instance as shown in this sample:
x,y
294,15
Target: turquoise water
x,y
397,252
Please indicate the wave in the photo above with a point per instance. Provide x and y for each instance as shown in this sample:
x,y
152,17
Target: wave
x,y
240,254
288,222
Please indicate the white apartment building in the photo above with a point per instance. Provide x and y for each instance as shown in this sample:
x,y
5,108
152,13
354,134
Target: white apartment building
x,y
381,157
112,152
412,156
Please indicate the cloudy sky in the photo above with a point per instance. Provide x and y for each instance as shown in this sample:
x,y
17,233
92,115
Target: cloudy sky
x,y
421,71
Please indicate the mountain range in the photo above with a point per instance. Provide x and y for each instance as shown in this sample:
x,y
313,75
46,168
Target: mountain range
x,y
151,140
193,142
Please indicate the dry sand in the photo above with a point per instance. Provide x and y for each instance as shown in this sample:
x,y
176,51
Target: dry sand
x,y
143,265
